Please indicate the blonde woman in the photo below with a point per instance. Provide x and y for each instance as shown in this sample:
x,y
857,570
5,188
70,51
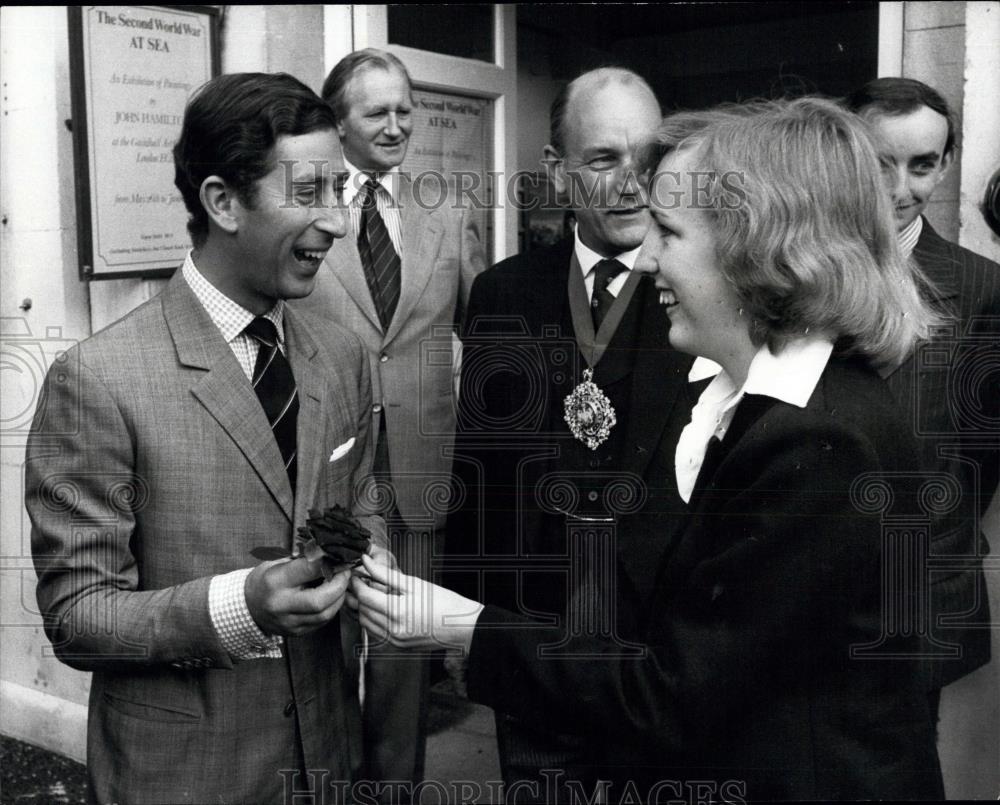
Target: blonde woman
x,y
774,251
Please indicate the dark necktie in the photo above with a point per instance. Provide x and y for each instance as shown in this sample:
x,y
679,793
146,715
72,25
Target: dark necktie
x,y
601,301
378,256
275,387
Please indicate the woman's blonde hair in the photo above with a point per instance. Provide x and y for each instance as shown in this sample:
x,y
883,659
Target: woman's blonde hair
x,y
804,223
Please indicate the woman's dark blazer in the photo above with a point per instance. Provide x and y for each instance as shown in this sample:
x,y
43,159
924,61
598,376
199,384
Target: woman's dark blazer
x,y
755,676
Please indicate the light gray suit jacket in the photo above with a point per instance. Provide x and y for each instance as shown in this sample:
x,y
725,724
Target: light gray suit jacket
x,y
412,363
151,468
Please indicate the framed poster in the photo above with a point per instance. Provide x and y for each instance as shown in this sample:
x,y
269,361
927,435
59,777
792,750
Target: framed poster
x,y
451,144
132,70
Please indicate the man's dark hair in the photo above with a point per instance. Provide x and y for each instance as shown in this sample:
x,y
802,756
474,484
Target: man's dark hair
x,y
231,125
901,96
335,87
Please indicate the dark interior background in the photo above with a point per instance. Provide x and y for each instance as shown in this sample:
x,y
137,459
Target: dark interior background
x,y
694,54
700,54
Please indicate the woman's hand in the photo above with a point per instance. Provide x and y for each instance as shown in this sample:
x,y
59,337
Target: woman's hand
x,y
383,556
411,612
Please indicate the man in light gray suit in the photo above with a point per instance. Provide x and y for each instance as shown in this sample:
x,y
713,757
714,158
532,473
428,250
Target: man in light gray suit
x,y
400,280
202,425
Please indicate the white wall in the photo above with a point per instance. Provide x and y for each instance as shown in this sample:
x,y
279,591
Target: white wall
x,y
934,52
980,156
40,699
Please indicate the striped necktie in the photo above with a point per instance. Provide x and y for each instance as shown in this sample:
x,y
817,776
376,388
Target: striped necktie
x,y
603,299
275,386
378,256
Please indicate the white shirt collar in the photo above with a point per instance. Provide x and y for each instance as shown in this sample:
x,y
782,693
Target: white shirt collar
x,y
702,369
910,235
230,317
588,258
356,180
790,376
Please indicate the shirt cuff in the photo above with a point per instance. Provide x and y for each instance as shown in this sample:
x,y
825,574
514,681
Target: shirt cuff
x,y
238,633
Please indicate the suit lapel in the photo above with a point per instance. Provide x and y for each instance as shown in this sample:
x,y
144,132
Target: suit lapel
x,y
660,409
618,360
659,374
750,409
422,235
224,390
934,256
313,414
551,298
344,264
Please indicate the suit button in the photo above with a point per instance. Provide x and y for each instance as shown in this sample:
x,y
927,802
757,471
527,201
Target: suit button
x,y
595,463
377,408
289,708
594,303
383,358
592,496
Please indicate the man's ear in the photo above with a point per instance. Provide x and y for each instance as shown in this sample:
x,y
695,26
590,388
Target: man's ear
x,y
340,128
218,200
946,161
555,169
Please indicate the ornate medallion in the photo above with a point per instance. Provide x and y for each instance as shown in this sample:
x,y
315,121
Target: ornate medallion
x,y
589,413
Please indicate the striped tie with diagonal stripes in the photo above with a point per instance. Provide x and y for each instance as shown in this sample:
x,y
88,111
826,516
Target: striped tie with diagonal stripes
x,y
603,299
275,386
378,256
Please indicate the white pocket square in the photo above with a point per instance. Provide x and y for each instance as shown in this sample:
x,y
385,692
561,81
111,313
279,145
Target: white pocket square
x,y
343,450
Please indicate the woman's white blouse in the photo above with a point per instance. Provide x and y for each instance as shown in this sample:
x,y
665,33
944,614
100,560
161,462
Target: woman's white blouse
x,y
790,376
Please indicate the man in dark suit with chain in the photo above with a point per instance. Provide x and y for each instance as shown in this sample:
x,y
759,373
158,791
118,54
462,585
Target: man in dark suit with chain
x,y
950,390
570,407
